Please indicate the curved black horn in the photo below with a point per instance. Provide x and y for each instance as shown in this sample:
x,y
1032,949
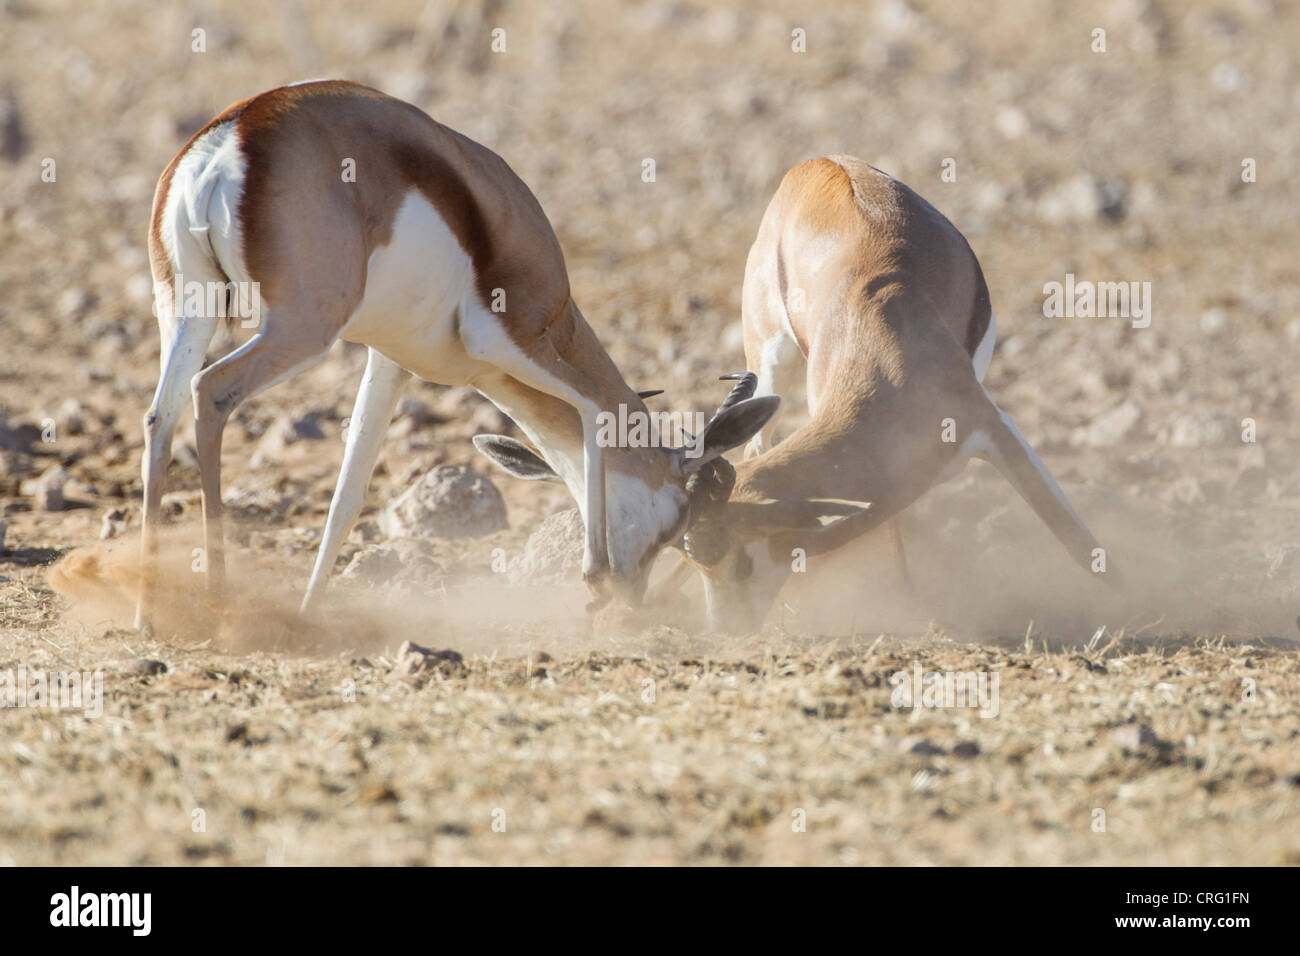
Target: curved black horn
x,y
746,385
649,393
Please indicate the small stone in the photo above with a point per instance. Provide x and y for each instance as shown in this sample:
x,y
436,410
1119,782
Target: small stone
x,y
74,304
1185,490
13,135
966,749
449,502
553,553
1111,427
19,438
48,489
73,417
412,660
146,667
1011,122
1226,77
285,431
286,540
112,524
1075,200
1111,198
1214,321
921,747
418,414
374,566
1137,739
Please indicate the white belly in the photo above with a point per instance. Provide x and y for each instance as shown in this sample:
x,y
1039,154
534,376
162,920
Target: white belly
x,y
415,286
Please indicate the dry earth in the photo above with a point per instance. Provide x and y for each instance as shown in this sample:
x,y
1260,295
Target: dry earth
x,y
1160,725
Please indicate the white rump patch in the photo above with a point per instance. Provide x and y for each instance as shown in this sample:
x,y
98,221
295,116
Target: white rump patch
x,y
200,223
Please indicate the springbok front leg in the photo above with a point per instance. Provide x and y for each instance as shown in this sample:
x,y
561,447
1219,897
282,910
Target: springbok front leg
x,y
541,367
371,414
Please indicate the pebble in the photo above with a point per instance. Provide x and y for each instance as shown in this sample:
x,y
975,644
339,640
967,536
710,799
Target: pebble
x,y
450,501
47,490
1137,739
1110,428
553,553
412,659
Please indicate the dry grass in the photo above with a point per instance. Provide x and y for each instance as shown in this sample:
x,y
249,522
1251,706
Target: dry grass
x,y
660,757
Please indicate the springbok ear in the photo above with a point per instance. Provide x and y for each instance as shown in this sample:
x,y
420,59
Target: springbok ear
x,y
731,427
515,457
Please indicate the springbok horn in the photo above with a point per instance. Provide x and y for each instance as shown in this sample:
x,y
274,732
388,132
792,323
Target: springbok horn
x,y
649,393
746,384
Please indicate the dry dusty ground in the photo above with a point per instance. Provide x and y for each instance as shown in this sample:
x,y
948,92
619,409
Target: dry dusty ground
x,y
1170,737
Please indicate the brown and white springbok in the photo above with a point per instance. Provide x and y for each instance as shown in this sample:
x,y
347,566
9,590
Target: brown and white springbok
x,y
354,215
865,290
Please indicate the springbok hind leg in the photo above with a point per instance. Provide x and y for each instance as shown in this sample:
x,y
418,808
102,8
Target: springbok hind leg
x,y
1000,443
185,341
269,357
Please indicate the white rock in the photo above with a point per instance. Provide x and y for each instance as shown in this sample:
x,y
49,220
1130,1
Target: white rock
x,y
48,488
449,502
1214,321
553,552
1110,428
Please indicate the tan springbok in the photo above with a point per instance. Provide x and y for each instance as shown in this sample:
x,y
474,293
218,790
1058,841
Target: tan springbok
x,y
861,287
329,210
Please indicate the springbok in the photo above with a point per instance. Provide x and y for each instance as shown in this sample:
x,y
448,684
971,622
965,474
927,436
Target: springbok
x,y
353,215
864,288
